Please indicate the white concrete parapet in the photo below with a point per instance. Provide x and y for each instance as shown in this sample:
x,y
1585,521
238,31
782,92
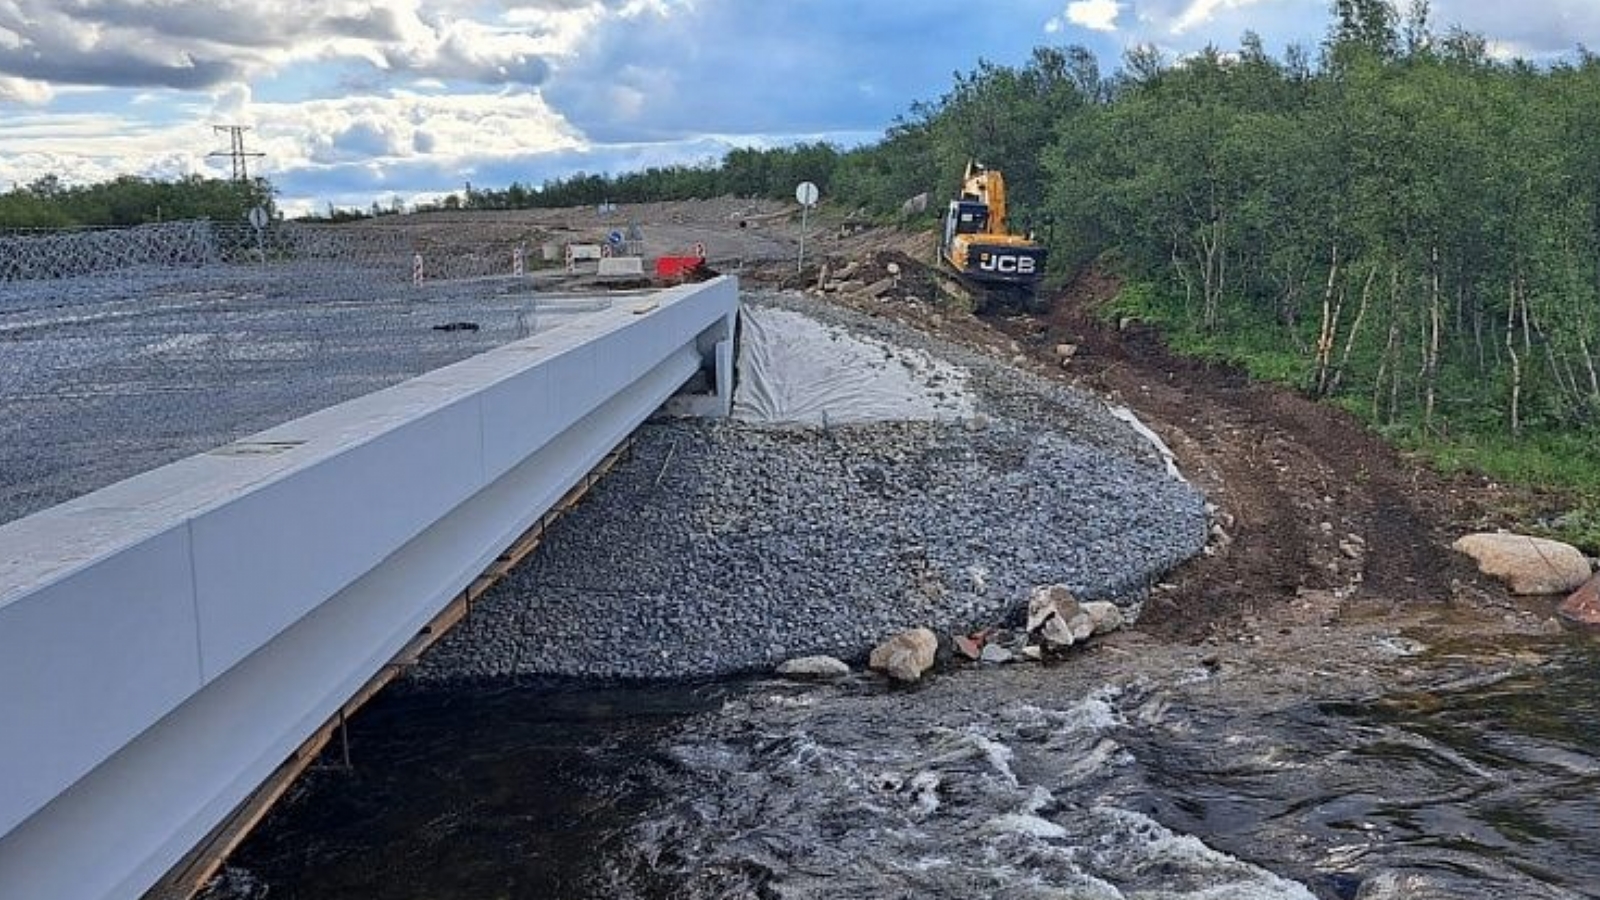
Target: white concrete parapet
x,y
166,642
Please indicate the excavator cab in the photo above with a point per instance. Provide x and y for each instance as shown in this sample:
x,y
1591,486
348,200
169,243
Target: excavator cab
x,y
967,217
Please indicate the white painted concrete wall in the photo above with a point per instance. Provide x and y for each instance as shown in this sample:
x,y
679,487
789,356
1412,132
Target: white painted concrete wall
x,y
166,642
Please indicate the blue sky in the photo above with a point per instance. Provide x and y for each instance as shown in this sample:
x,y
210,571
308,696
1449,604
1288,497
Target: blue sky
x,y
360,100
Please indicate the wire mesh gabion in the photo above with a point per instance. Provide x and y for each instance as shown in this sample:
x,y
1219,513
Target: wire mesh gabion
x,y
322,258
123,349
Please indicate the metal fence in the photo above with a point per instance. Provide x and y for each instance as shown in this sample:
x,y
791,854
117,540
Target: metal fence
x,y
313,260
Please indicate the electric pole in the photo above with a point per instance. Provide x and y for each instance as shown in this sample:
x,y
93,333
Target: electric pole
x,y
236,150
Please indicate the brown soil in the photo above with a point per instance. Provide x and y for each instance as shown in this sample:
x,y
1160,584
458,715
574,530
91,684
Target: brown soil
x,y
1318,515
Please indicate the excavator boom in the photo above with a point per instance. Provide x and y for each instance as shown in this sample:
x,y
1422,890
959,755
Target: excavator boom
x,y
987,186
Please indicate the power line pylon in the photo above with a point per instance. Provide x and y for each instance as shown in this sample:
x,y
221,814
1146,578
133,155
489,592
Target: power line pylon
x,y
236,150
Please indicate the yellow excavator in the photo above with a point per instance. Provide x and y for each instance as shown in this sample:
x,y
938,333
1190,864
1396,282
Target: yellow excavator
x,y
1000,266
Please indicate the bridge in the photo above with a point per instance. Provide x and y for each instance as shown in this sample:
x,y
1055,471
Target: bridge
x,y
169,641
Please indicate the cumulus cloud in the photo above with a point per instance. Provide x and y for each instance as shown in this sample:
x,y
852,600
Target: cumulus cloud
x,y
1556,27
1095,15
209,44
24,91
450,133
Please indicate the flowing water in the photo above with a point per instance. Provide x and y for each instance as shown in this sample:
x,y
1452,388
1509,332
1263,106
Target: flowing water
x,y
1136,770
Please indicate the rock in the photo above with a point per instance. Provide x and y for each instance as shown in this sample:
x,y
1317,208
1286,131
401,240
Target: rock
x,y
994,653
813,668
880,287
1066,351
1057,617
1527,565
1033,652
1105,616
907,655
1583,606
1082,626
1056,633
1051,600
967,646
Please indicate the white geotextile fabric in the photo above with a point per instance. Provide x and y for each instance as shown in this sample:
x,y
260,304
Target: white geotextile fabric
x,y
1134,422
793,368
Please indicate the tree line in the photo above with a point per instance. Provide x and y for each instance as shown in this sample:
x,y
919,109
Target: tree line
x,y
47,202
1410,226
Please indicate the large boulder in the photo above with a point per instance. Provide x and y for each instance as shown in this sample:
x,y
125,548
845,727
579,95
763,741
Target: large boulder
x,y
1527,565
907,655
1583,606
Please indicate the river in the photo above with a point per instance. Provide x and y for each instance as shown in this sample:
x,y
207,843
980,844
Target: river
x,y
1358,763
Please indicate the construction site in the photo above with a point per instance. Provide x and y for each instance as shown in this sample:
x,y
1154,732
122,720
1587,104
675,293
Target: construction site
x,y
593,715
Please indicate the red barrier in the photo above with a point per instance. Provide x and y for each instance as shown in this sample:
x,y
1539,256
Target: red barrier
x,y
677,266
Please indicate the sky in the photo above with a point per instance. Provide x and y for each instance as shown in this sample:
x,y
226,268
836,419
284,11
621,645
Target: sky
x,y
356,101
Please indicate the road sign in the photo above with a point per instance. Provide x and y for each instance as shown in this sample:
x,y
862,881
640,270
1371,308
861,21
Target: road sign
x,y
258,218
806,194
614,238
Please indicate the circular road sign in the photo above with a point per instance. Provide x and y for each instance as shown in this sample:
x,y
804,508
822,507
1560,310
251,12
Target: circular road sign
x,y
258,217
806,193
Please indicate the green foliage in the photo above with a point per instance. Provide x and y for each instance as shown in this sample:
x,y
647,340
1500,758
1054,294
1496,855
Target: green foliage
x,y
743,172
128,200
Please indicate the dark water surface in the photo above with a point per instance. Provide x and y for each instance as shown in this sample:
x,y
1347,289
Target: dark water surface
x,y
1091,780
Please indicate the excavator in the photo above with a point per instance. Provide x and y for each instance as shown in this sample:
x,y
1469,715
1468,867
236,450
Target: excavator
x,y
1002,268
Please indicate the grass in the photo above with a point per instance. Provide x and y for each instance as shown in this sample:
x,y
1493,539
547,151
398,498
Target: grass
x,y
1567,464
1261,352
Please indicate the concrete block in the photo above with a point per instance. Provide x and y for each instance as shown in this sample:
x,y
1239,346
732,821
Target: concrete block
x,y
622,267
